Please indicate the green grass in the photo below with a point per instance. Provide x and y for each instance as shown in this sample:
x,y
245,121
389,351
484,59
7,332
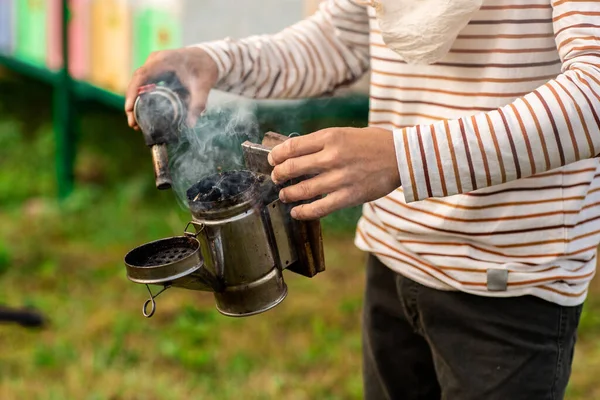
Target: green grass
x,y
66,260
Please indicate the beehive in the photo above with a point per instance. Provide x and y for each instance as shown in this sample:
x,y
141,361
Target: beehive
x,y
6,26
32,22
111,44
54,36
79,38
156,26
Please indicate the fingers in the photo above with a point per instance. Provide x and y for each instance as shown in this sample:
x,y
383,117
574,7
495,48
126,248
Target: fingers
x,y
131,121
295,147
156,64
295,167
311,188
138,79
198,88
194,68
322,207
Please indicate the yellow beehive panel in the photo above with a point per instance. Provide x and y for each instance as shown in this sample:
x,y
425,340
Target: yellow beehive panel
x,y
111,44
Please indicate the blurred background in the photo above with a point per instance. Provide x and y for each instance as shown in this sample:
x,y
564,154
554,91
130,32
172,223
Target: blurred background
x,y
77,192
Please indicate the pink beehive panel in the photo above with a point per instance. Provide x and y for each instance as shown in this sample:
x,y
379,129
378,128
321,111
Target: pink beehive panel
x,y
79,26
54,34
111,44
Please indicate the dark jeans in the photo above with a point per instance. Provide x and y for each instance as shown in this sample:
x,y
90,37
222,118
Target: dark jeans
x,y
422,343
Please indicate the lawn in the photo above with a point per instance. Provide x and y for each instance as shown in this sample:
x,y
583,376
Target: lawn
x,y
66,260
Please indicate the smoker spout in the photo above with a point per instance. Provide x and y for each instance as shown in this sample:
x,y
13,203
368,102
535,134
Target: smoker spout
x,y
159,111
160,160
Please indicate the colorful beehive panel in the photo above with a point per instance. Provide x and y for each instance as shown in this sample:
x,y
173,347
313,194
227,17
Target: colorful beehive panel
x,y
54,36
108,39
111,44
156,26
31,30
6,26
79,38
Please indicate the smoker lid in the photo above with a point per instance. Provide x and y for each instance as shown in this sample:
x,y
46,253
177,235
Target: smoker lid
x,y
163,260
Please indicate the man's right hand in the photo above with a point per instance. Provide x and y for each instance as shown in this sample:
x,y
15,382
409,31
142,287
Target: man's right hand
x,y
194,68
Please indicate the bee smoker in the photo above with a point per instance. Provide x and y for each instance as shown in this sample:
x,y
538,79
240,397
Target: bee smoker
x,y
243,236
160,111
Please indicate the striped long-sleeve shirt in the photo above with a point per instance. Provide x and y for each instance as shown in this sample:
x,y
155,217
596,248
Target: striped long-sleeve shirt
x,y
496,142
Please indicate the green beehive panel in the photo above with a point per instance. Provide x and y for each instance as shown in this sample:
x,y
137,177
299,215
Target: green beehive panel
x,y
155,29
31,42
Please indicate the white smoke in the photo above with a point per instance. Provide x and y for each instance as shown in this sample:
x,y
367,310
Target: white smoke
x,y
214,144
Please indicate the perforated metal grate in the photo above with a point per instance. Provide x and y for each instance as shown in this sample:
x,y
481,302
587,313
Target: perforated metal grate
x,y
167,256
162,252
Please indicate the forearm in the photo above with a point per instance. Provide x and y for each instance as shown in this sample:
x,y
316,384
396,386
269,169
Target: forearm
x,y
310,58
555,125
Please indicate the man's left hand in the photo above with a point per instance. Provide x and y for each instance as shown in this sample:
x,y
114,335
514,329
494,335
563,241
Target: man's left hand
x,y
352,166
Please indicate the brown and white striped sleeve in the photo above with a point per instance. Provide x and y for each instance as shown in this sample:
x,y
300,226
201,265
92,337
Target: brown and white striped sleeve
x,y
555,125
311,58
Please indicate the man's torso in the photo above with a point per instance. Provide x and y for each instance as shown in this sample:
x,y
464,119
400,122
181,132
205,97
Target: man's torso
x,y
540,229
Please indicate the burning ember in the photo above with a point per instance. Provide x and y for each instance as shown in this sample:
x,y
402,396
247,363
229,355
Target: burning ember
x,y
222,187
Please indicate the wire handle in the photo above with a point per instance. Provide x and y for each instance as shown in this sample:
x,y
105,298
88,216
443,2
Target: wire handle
x,y
198,230
151,301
